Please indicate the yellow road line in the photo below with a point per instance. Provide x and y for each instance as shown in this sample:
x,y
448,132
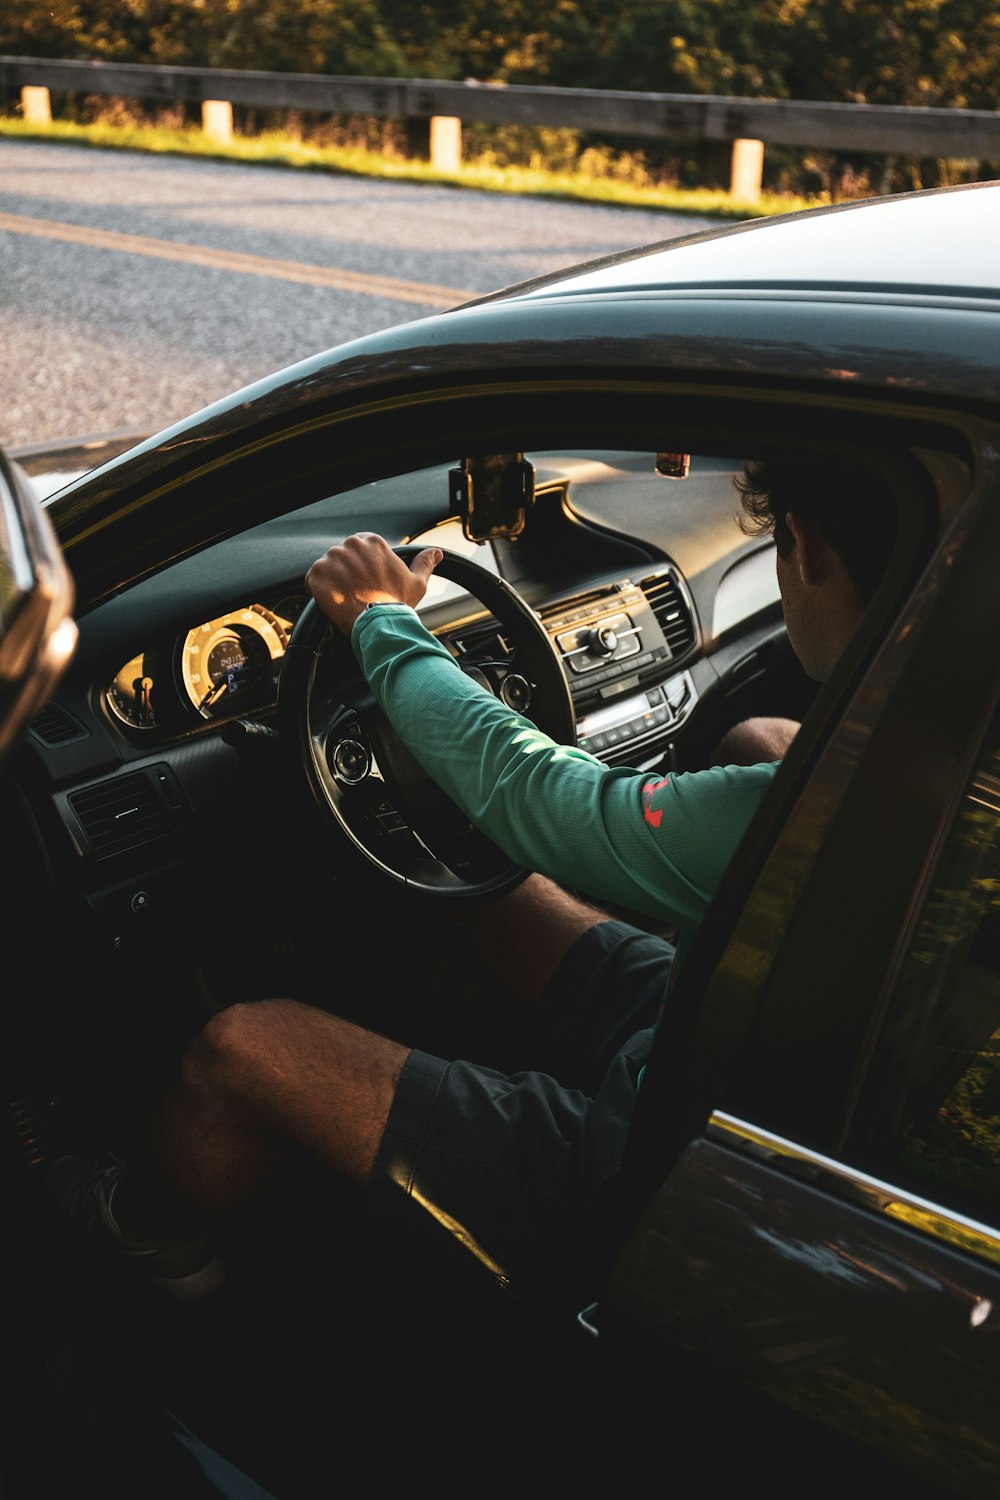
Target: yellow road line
x,y
236,260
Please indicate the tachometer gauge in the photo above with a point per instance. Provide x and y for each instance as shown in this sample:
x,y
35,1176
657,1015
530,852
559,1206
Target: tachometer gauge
x,y
130,696
231,664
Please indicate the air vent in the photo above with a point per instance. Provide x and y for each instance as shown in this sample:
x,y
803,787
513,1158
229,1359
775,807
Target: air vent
x,y
129,811
53,726
481,643
591,599
671,610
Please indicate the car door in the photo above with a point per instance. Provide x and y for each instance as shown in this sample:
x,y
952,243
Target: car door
x,y
816,1156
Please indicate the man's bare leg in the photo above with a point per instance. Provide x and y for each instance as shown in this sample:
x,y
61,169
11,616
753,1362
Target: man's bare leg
x,y
279,1070
257,1075
523,936
276,1071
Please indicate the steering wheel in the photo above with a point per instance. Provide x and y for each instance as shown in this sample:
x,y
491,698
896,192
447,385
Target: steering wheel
x,y
364,780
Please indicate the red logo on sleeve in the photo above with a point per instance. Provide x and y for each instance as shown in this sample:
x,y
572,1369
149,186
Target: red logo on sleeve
x,y
650,814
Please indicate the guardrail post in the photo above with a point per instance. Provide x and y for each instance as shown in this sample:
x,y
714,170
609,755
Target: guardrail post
x,y
36,104
892,130
746,170
217,119
446,143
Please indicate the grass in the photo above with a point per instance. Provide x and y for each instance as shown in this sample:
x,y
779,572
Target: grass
x,y
285,151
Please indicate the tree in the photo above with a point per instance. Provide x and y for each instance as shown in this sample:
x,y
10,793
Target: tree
x,y
943,53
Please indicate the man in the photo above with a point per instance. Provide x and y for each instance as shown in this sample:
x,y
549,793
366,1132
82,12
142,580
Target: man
x,y
513,1166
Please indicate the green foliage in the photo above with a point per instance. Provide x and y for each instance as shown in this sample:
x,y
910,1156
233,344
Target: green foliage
x,y
325,36
670,46
914,52
939,52
943,53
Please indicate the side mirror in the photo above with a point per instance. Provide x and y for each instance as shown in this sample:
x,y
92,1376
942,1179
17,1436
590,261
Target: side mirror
x,y
38,634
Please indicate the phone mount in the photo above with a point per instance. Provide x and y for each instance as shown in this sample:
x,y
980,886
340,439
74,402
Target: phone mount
x,y
491,495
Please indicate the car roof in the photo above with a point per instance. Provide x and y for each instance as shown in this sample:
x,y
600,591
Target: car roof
x,y
937,243
784,303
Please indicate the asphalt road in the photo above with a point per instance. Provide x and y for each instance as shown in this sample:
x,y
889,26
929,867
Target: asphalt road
x,y
136,289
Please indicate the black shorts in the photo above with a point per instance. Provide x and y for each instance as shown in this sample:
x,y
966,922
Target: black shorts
x,y
512,1166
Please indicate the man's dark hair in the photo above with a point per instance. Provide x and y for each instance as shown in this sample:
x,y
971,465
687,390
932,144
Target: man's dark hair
x,y
854,511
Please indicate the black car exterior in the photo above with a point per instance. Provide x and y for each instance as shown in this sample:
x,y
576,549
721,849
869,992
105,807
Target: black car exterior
x,y
805,1257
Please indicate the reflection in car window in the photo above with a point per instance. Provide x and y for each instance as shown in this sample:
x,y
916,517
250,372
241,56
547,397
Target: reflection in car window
x,y
933,1099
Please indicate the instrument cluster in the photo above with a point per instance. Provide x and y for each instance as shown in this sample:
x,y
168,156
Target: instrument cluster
x,y
219,669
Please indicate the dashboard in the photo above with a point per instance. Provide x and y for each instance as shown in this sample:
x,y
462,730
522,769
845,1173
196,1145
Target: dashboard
x,y
664,616
231,664
615,644
617,639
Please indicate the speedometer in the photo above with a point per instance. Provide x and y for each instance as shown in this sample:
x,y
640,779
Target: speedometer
x,y
231,664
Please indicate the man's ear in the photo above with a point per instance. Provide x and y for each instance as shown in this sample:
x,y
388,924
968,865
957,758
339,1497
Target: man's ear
x,y
812,550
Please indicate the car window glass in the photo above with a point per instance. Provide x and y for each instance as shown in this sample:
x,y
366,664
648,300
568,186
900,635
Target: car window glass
x,y
932,1102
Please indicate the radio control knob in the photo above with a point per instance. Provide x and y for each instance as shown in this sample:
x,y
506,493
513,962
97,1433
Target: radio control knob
x,y
602,640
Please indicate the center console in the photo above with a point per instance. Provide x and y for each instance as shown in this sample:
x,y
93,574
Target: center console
x,y
622,647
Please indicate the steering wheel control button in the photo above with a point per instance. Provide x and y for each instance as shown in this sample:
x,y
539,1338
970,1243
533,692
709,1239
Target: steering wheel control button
x,y
515,691
350,761
389,820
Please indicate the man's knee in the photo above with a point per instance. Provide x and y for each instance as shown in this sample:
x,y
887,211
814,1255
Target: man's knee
x,y
235,1044
755,741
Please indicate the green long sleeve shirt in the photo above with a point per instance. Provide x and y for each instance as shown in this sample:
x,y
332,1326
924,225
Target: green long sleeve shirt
x,y
657,844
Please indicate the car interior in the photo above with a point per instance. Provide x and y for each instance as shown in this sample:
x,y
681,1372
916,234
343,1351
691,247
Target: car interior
x,y
653,623
209,809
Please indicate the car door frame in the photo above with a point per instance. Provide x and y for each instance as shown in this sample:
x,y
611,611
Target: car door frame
x,y
755,1245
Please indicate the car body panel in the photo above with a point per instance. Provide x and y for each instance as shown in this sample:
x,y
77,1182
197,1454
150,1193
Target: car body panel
x,y
772,1246
900,245
807,1283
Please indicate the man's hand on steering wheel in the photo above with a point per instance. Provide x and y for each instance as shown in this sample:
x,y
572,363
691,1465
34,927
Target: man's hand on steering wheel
x,y
365,570
357,772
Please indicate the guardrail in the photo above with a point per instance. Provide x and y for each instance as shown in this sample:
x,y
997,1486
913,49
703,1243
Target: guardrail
x,y
747,124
